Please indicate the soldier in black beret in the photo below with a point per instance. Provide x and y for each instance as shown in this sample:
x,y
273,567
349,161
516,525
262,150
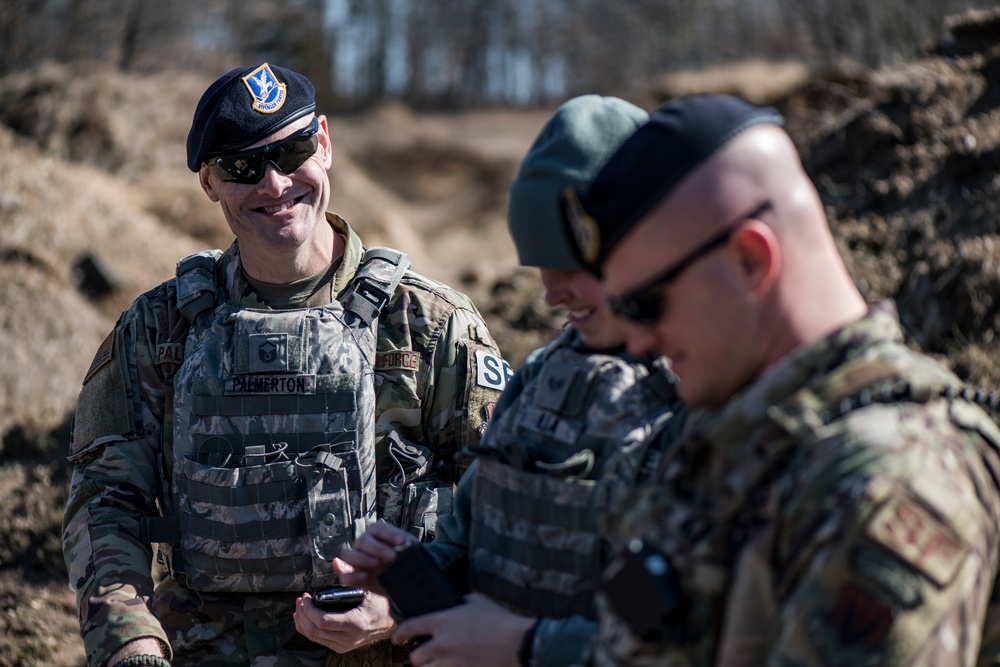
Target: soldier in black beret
x,y
836,500
252,415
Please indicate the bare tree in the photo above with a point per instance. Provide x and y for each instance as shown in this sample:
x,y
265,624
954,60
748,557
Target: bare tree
x,y
464,52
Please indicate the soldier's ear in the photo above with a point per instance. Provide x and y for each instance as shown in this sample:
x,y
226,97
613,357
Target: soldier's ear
x,y
207,183
325,143
759,255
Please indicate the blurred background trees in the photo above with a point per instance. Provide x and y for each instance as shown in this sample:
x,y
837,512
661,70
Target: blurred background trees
x,y
463,53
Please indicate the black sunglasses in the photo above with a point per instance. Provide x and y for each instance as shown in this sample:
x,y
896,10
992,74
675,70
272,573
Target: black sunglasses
x,y
287,155
644,304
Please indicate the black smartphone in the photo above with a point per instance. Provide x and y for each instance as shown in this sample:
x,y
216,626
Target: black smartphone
x,y
338,598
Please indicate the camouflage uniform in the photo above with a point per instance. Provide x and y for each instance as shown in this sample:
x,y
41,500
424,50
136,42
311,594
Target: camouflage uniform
x,y
432,392
573,430
842,510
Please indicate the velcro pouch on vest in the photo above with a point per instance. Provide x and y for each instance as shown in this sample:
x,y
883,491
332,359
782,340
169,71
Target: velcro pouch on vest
x,y
328,513
423,503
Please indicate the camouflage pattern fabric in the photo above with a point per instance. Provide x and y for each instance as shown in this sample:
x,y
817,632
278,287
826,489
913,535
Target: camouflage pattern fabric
x,y
573,426
840,511
274,472
431,390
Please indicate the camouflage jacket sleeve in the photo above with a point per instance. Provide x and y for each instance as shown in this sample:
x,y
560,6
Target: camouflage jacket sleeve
x,y
451,544
116,454
438,375
885,554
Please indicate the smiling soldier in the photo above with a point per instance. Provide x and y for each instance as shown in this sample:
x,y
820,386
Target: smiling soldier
x,y
255,413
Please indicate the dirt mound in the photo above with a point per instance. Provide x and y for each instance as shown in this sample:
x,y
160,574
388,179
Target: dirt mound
x,y
96,205
908,175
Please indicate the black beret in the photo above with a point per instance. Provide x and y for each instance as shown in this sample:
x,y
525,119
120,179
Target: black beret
x,y
677,138
245,105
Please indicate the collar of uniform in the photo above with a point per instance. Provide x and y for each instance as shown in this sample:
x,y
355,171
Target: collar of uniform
x,y
801,369
241,294
354,250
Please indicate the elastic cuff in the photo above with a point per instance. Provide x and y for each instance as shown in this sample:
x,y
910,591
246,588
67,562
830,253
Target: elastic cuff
x,y
527,647
143,661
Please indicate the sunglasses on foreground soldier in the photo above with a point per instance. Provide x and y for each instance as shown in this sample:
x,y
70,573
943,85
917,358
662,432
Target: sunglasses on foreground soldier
x,y
287,155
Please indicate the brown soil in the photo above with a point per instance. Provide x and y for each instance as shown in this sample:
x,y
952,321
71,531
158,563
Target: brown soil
x,y
96,206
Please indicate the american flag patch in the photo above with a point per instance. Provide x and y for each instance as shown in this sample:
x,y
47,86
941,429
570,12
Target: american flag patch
x,y
102,357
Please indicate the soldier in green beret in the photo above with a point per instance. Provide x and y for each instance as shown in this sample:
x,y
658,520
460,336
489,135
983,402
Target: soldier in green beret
x,y
253,415
836,502
580,423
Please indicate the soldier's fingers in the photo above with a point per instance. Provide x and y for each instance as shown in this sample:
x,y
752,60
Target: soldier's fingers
x,y
359,560
342,567
388,534
420,626
303,617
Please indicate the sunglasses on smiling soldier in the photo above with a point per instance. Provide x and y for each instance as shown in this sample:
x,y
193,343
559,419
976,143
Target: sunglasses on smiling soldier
x,y
645,304
286,155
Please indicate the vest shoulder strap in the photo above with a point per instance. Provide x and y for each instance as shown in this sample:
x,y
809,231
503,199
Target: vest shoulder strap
x,y
375,282
196,283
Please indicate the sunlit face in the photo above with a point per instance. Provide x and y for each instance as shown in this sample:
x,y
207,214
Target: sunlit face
x,y
704,324
582,294
281,211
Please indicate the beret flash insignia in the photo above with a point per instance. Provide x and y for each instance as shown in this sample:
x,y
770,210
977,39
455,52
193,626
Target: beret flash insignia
x,y
585,230
267,92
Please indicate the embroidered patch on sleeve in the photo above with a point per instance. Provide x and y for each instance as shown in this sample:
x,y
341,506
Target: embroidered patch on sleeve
x,y
487,417
397,360
492,372
860,617
907,528
102,357
853,631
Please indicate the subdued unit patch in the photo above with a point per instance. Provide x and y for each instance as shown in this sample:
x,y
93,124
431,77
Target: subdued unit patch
x,y
911,531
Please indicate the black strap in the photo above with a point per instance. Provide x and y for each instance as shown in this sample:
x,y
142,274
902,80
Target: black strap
x,y
375,282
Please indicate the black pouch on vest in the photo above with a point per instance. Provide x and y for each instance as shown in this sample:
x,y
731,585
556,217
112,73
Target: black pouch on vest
x,y
642,589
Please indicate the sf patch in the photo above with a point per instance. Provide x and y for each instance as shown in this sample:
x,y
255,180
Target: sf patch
x,y
492,372
267,92
915,534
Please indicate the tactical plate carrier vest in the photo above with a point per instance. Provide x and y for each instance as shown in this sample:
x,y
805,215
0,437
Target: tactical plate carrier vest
x,y
274,433
537,491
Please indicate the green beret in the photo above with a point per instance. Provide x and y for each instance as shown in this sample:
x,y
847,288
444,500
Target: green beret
x,y
568,152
